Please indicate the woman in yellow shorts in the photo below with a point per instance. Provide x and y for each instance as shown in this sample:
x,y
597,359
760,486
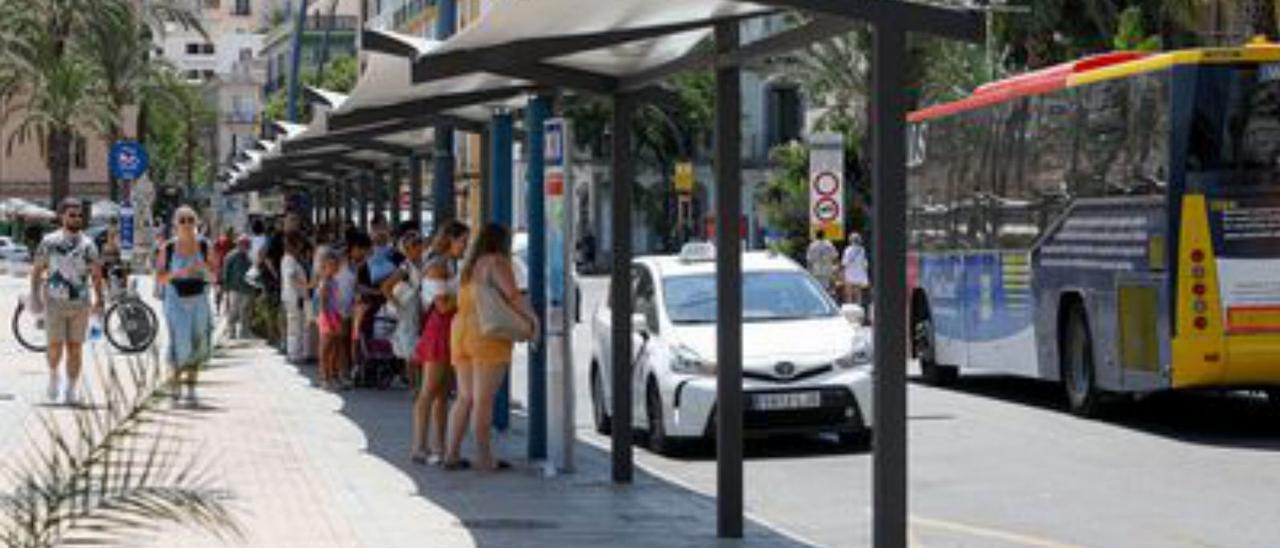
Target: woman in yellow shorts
x,y
481,362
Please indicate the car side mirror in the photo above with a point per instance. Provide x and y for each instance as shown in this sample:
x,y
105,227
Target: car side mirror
x,y
855,314
640,324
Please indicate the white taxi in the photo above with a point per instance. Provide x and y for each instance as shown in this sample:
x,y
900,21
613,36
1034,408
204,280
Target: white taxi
x,y
806,361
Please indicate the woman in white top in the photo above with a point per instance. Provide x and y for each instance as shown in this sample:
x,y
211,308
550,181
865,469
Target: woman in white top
x,y
294,297
440,301
854,265
402,290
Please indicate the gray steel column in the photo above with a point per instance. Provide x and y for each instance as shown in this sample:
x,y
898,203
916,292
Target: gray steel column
x,y
728,288
889,184
344,204
362,185
620,287
415,190
378,188
486,182
393,190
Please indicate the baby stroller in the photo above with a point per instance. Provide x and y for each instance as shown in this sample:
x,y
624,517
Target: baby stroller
x,y
375,364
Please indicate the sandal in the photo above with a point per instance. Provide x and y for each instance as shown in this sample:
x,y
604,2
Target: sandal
x,y
419,458
460,464
499,465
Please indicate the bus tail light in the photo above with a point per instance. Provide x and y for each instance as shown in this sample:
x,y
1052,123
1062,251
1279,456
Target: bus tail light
x,y
1197,256
1201,323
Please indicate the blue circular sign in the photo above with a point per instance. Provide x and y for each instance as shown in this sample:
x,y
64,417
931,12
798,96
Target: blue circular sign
x,y
127,160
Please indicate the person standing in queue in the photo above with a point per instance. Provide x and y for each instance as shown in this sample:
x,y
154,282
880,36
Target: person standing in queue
x,y
184,273
295,286
70,259
482,361
235,283
439,298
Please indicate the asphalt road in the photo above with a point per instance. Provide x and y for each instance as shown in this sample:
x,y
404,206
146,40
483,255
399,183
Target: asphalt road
x,y
996,461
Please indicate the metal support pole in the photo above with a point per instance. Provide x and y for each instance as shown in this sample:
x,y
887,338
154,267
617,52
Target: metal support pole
x,y
728,288
500,174
362,184
889,178
535,114
295,61
393,191
443,202
620,288
415,191
379,198
344,204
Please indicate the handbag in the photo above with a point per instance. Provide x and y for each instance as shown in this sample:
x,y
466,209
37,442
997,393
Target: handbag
x,y
497,317
188,287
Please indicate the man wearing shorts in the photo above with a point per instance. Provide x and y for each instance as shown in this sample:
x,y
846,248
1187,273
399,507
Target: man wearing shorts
x,y
70,260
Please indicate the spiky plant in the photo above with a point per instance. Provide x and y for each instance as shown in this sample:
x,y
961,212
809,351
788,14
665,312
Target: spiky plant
x,y
111,471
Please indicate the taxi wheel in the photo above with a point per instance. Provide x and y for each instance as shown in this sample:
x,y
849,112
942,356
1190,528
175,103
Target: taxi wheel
x,y
658,441
604,425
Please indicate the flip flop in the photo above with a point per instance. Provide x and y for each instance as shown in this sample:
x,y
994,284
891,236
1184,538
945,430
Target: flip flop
x,y
460,464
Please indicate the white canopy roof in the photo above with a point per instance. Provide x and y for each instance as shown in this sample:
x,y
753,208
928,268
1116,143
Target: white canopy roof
x,y
387,79
511,21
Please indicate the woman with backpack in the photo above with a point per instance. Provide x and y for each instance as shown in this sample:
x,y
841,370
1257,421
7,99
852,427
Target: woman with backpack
x,y
439,299
184,275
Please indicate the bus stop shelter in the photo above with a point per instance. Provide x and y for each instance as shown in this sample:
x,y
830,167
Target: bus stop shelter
x,y
624,49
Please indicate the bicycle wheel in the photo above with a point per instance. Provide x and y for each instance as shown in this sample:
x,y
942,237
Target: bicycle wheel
x,y
131,326
29,329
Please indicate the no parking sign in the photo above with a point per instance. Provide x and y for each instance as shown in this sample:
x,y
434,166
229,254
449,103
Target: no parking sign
x,y
826,185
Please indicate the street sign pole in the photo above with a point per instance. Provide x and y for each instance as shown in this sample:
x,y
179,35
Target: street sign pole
x,y
558,204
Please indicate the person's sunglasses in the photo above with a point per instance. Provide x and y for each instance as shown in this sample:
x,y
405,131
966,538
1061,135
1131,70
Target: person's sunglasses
x,y
75,215
186,220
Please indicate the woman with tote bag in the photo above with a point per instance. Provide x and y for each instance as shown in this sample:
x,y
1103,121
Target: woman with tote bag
x,y
484,331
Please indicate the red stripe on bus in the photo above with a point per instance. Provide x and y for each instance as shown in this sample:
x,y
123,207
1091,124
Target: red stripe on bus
x,y
1032,83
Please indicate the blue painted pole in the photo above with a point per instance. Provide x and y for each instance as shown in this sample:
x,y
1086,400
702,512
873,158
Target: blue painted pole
x,y
295,58
443,203
535,114
500,158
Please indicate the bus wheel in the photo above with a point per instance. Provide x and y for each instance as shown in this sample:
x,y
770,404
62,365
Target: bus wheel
x,y
930,370
1077,365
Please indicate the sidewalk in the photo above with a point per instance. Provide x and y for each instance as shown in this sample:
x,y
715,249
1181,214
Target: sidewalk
x,y
316,469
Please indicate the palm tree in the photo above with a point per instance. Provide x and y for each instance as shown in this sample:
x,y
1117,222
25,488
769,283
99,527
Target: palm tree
x,y
119,47
60,89
53,90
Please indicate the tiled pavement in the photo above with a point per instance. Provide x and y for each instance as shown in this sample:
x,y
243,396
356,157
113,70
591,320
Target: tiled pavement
x,y
315,469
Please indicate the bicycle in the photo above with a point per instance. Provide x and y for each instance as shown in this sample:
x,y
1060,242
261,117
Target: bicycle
x,y
130,324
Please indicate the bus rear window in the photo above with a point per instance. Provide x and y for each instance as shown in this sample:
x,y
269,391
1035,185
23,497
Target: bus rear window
x,y
1235,130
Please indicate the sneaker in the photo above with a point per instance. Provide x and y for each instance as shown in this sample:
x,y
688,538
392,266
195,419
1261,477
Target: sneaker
x,y
52,392
70,397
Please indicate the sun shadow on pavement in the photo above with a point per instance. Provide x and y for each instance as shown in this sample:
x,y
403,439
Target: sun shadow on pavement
x,y
521,507
1228,419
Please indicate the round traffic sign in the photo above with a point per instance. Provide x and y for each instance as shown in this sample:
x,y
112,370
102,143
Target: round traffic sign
x,y
127,160
826,183
826,210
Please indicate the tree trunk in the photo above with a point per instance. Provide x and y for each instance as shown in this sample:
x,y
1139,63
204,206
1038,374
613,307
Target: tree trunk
x,y
59,166
113,184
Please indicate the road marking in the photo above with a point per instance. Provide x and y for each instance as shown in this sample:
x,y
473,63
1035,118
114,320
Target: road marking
x,y
984,532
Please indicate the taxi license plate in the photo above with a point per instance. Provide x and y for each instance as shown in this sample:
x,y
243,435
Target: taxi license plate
x,y
786,400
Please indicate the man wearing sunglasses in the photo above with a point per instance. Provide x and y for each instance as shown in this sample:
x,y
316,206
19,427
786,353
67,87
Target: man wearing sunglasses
x,y
70,260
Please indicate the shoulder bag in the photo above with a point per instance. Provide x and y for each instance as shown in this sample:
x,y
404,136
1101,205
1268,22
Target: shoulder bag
x,y
498,318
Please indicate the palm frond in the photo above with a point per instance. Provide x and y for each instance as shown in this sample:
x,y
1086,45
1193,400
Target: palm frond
x,y
110,472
